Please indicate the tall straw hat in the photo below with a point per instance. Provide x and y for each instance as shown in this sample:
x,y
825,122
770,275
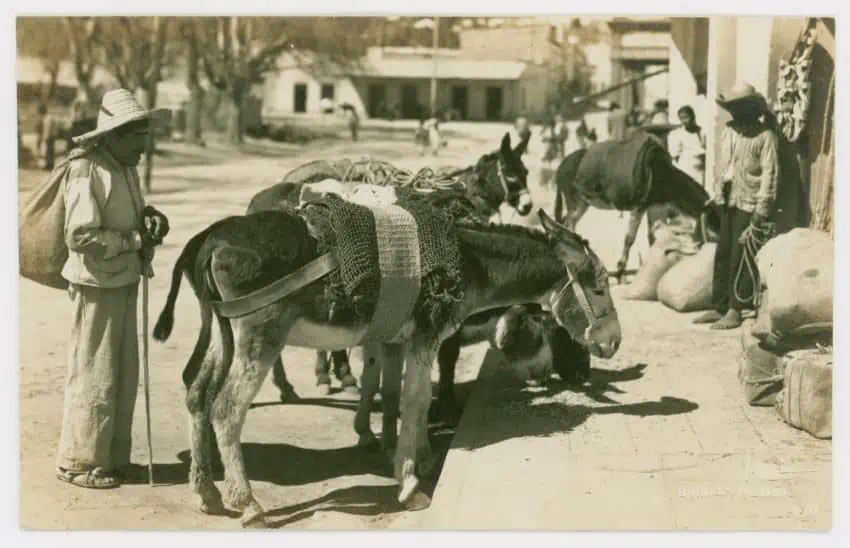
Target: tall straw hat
x,y
740,92
119,107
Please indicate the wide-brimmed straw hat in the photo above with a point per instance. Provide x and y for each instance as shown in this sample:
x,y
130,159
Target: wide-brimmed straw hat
x,y
741,92
118,108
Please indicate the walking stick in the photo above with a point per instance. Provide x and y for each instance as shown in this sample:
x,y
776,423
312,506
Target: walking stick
x,y
145,345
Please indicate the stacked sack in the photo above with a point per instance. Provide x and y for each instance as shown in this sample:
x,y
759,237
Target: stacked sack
x,y
787,358
673,242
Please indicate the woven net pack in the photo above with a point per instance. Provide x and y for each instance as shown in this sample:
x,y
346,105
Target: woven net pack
x,y
349,230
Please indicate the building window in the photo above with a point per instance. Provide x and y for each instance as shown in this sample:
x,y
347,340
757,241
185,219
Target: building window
x,y
327,92
300,105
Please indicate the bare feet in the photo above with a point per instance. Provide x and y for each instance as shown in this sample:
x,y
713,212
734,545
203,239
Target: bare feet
x,y
709,317
731,320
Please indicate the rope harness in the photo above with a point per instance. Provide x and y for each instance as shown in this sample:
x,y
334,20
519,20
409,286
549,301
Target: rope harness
x,y
385,174
754,239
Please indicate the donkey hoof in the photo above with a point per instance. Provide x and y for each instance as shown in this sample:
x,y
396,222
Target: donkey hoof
x,y
213,507
254,518
289,396
323,389
412,498
255,522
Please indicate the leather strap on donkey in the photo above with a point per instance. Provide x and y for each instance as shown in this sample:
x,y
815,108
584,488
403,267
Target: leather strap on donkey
x,y
289,284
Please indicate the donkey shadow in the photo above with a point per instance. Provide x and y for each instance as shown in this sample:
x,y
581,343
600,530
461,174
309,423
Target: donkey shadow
x,y
515,414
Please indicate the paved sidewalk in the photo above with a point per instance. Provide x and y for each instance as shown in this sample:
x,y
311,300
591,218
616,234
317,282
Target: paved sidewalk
x,y
661,439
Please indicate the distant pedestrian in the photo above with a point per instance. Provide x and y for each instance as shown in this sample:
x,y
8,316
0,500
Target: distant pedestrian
x,y
686,145
353,123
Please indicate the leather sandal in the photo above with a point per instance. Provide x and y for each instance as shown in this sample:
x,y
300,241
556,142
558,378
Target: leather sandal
x,y
90,479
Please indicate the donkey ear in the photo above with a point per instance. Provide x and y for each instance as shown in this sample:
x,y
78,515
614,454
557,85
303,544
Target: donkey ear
x,y
548,223
520,148
505,150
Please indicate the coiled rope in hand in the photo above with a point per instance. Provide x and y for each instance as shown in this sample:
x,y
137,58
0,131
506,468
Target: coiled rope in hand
x,y
754,239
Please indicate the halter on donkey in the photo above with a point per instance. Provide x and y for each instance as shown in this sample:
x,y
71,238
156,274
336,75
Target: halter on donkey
x,y
238,256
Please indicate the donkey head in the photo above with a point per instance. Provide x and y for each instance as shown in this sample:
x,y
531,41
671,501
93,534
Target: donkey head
x,y
536,346
583,304
501,177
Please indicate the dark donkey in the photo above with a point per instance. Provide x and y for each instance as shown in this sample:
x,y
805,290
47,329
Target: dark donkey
x,y
501,266
498,177
631,174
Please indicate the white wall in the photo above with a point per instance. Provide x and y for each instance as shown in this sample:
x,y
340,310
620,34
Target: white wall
x,y
279,93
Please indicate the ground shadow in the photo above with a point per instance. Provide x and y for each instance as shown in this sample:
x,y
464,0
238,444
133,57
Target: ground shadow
x,y
358,500
518,412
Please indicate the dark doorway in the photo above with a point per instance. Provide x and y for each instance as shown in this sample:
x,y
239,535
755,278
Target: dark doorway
x,y
300,98
460,100
409,102
377,96
494,103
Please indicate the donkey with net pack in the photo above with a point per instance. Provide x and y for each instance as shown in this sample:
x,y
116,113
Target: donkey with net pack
x,y
436,271
475,192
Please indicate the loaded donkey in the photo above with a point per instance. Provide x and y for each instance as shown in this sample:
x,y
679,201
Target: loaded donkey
x,y
233,262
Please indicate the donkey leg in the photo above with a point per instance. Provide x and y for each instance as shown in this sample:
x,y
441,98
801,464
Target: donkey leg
x,y
369,387
416,395
323,375
447,408
392,364
252,358
287,391
200,469
342,371
631,234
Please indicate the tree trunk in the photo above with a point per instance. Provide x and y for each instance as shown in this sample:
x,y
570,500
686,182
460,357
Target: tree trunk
x,y
235,125
194,112
194,109
147,97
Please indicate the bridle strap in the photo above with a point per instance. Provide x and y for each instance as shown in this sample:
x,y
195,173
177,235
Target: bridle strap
x,y
502,181
585,305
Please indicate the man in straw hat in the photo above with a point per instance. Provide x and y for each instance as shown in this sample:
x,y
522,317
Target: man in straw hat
x,y
745,193
110,235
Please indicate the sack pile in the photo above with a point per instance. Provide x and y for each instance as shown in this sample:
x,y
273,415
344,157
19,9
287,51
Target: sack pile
x,y
672,244
786,357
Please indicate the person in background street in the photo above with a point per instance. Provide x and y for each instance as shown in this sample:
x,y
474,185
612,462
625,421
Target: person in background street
x,y
353,122
552,135
523,130
686,145
745,193
617,122
110,235
659,114
431,128
46,134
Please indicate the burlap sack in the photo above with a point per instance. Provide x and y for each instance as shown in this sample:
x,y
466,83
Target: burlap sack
x,y
797,270
805,401
664,253
686,287
759,370
42,250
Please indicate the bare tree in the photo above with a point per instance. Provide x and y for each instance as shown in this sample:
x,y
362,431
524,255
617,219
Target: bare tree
x,y
42,38
193,81
134,52
237,52
81,33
